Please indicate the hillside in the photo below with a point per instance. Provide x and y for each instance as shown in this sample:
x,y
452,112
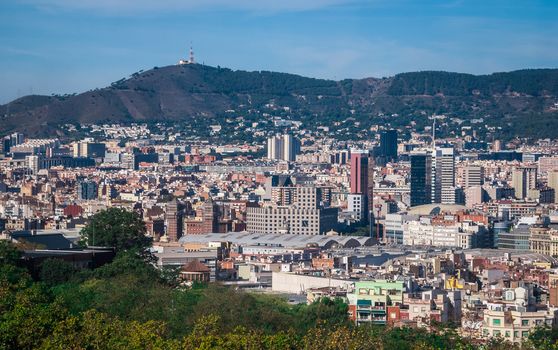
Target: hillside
x,y
180,93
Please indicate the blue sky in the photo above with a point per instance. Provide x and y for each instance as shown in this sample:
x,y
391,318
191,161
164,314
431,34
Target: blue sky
x,y
64,46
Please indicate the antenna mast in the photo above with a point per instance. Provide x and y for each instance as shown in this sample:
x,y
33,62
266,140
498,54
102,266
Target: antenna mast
x,y
191,59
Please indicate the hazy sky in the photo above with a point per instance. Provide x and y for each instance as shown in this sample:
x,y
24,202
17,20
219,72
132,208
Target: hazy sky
x,y
62,46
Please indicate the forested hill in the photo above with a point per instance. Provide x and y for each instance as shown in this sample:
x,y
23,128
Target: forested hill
x,y
180,93
532,82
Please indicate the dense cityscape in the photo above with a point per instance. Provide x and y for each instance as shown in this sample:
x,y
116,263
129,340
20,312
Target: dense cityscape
x,y
407,232
281,175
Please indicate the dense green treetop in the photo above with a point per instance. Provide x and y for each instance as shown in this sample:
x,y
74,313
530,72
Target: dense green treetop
x,y
533,82
128,304
117,228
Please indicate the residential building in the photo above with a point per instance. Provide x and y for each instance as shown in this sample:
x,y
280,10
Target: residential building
x,y
283,147
87,190
543,240
523,180
514,325
290,219
473,175
443,175
369,302
553,183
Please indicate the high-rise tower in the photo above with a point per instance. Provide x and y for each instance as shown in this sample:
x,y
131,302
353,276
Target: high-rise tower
x,y
421,183
473,175
523,180
553,183
359,200
388,146
283,147
359,172
443,175
173,221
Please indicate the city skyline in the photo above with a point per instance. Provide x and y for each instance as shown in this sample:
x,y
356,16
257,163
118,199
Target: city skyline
x,y
56,46
258,175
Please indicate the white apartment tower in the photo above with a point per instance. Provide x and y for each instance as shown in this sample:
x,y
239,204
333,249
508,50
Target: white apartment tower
x,y
443,175
283,147
523,180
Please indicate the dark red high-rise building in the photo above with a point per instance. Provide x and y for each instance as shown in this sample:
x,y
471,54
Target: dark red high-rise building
x,y
362,185
359,172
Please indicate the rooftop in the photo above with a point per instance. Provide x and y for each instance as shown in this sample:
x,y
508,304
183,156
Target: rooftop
x,y
436,208
283,240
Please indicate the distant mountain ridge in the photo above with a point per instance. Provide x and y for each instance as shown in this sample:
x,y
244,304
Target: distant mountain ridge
x,y
534,82
177,93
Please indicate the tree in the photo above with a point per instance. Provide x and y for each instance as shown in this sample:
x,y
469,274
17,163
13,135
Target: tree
x,y
236,308
118,228
8,253
544,338
10,272
126,263
333,312
170,275
56,271
94,330
30,318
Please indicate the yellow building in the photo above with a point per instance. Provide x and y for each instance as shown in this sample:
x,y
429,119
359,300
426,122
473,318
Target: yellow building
x,y
544,241
453,283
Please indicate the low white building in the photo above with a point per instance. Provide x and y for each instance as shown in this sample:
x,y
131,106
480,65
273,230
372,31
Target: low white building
x,y
356,205
423,232
284,282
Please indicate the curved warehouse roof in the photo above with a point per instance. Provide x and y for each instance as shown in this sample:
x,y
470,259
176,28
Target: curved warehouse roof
x,y
283,240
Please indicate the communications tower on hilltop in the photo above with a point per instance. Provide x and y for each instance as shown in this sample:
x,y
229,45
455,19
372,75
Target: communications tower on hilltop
x,y
191,55
190,60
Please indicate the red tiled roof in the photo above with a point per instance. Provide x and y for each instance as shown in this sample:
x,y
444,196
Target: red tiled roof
x,y
195,266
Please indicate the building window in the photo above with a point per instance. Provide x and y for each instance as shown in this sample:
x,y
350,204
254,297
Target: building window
x,y
496,322
516,334
496,333
524,322
524,334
